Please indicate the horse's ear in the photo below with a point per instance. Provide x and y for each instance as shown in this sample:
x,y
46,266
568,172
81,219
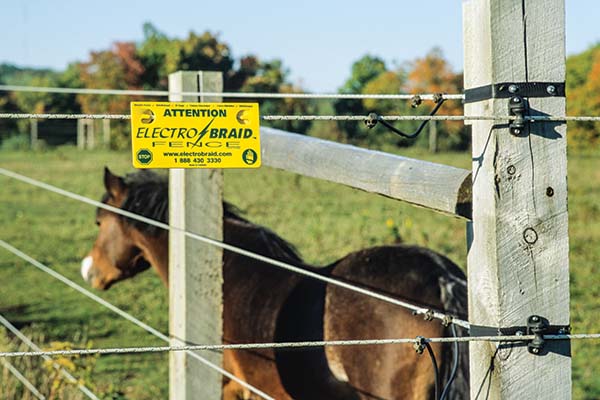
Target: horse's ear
x,y
115,185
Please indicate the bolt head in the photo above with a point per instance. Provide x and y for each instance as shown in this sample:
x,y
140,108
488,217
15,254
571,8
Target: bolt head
x,y
551,89
516,99
515,131
535,318
535,350
513,88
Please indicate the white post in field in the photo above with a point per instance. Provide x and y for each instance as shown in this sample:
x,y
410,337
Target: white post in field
x,y
195,268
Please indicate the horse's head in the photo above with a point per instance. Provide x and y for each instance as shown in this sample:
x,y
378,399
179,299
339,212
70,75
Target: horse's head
x,y
116,254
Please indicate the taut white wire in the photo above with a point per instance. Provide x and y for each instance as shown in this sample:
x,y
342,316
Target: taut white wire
x,y
225,246
530,118
428,96
297,345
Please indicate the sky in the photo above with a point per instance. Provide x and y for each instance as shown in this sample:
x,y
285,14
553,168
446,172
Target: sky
x,y
317,40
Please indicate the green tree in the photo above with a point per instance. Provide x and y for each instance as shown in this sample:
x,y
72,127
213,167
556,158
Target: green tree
x,y
272,77
363,71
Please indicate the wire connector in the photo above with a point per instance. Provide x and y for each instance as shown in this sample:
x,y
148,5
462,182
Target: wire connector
x,y
419,344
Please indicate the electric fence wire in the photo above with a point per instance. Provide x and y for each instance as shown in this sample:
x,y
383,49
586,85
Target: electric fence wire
x,y
300,345
531,118
241,95
123,314
414,308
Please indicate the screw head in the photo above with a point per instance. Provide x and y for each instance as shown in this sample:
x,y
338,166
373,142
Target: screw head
x,y
513,88
551,89
516,99
515,131
535,318
535,350
549,191
511,169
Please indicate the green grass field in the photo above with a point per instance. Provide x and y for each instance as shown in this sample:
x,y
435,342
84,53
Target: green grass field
x,y
325,221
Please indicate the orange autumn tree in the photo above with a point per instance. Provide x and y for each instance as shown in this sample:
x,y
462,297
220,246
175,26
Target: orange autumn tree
x,y
433,74
116,68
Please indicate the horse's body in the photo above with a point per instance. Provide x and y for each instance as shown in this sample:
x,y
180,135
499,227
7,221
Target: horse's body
x,y
263,303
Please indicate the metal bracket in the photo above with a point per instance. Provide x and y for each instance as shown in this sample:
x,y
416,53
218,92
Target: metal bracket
x,y
518,107
536,325
506,90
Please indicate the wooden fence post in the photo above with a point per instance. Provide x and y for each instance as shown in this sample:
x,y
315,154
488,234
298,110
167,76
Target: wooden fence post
x,y
106,133
33,133
195,268
518,252
80,134
433,137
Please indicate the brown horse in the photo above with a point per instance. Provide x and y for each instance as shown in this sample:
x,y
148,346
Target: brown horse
x,y
301,308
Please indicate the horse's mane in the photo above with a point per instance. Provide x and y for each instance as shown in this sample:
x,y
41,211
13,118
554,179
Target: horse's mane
x,y
148,196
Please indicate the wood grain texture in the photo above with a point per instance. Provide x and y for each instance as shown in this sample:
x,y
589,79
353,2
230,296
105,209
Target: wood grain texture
x,y
438,187
195,268
518,252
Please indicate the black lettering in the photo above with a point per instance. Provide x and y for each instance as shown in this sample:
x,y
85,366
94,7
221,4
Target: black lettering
x,y
214,133
141,133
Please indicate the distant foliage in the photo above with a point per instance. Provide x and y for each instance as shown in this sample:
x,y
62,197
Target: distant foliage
x,y
583,97
147,65
431,74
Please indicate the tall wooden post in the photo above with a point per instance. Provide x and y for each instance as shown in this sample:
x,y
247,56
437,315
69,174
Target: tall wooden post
x,y
433,137
106,133
518,258
91,134
33,133
80,134
195,268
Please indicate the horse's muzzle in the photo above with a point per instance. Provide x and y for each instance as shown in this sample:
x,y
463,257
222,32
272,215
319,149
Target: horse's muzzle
x,y
86,266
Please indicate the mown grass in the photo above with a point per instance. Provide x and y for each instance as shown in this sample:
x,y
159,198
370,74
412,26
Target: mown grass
x,y
325,221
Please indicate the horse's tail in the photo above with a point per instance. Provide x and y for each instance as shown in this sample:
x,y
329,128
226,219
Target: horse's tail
x,y
453,292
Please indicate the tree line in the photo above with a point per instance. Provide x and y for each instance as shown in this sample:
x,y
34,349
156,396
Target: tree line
x,y
147,64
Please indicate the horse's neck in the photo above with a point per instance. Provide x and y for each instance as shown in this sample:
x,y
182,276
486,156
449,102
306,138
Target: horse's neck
x,y
156,252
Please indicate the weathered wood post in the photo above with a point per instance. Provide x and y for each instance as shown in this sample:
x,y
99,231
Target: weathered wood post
x,y
195,268
518,251
33,133
106,133
433,137
80,134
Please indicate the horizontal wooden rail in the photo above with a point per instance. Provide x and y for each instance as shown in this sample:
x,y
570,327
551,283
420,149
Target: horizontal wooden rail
x,y
434,186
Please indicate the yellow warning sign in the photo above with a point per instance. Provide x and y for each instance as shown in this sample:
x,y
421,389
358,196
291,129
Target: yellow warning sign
x,y
195,135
